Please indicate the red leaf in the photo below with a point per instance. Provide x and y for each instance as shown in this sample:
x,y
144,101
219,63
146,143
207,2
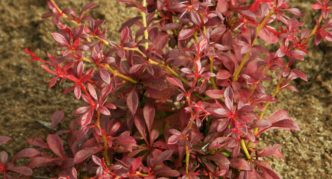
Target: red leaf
x,y
38,142
215,94
82,110
161,157
80,68
202,45
153,135
135,68
33,56
298,54
220,159
105,76
223,75
26,153
161,41
266,170
86,118
4,140
176,82
126,141
85,153
222,124
316,6
110,106
268,36
297,74
89,6
135,164
77,92
96,160
149,113
240,164
174,138
186,33
92,91
60,38
195,18
278,115
281,119
74,173
140,127
132,101
221,111
271,151
167,172
286,124
55,144
104,110
41,162
3,157
222,6
125,35
52,82
21,170
295,11
228,94
56,118
262,123
218,142
115,127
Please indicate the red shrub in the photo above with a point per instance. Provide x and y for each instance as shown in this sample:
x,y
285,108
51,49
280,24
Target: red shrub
x,y
183,95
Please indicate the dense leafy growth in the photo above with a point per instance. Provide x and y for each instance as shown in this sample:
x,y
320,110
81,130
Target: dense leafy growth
x,y
184,93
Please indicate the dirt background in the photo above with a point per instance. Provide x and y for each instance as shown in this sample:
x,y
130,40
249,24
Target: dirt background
x,y
25,100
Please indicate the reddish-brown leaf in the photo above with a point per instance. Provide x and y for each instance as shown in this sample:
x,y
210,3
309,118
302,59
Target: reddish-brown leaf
x,y
26,171
132,101
37,162
266,170
77,92
270,151
38,142
268,36
215,94
149,113
55,144
92,91
281,119
240,164
27,153
3,157
4,140
89,6
222,6
140,127
85,153
186,33
223,75
60,38
126,141
176,82
135,164
105,76
56,118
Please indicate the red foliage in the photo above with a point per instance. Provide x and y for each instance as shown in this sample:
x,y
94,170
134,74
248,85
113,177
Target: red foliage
x,y
182,96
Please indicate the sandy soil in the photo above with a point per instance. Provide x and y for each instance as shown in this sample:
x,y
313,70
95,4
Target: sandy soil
x,y
26,100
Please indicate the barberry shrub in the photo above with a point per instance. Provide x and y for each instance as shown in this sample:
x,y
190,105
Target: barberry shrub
x,y
185,93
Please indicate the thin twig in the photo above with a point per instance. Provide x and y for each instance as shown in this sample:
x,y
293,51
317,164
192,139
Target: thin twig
x,y
145,25
245,149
